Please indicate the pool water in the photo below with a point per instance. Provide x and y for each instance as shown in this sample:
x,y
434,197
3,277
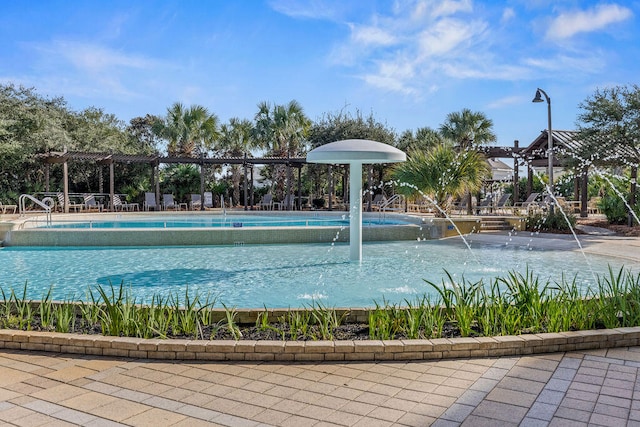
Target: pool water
x,y
218,221
281,276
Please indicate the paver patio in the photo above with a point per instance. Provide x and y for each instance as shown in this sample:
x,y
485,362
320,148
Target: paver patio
x,y
596,387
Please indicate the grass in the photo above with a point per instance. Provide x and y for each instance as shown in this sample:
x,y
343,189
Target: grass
x,y
518,303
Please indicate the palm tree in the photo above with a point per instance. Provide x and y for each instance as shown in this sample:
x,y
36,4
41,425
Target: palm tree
x,y
189,131
283,130
468,129
441,173
236,140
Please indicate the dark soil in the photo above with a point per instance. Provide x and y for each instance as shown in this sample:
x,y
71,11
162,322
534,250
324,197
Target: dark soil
x,y
620,230
275,331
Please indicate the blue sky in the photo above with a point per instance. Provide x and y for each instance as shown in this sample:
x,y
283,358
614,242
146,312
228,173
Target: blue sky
x,y
410,63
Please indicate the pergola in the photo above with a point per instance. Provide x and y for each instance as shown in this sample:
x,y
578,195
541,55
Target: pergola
x,y
111,159
567,148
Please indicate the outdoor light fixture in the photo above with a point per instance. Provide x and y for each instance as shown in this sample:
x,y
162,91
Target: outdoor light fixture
x,y
538,98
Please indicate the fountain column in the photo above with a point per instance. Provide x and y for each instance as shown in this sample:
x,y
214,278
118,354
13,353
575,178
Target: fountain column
x,y
355,152
355,221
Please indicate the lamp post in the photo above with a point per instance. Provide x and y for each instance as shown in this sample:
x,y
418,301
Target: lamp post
x,y
538,98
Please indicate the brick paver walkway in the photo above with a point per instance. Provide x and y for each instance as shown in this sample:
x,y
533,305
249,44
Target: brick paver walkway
x,y
600,387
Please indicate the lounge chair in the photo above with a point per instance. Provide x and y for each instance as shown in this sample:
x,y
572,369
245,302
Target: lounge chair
x,y
289,203
5,208
208,200
378,201
502,204
169,203
486,206
266,202
90,203
77,207
118,204
150,202
196,202
528,204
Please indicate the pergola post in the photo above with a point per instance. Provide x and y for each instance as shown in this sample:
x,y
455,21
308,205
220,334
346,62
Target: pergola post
x,y
299,188
632,194
246,190
251,187
112,183
584,192
330,207
65,186
516,175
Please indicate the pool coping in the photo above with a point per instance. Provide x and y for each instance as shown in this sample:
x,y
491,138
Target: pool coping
x,y
318,351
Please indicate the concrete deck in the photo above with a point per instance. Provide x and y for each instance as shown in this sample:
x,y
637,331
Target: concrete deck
x,y
578,388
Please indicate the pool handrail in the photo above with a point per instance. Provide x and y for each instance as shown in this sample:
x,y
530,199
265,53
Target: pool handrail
x,y
46,204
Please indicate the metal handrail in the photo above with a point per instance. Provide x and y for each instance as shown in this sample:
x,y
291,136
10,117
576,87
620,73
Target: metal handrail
x,y
46,204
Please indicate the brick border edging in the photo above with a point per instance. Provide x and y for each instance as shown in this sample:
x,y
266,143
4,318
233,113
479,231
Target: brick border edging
x,y
365,350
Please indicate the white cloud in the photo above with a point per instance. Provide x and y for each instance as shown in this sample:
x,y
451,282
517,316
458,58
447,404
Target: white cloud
x,y
314,9
563,63
507,15
449,7
367,35
569,24
506,102
447,35
88,69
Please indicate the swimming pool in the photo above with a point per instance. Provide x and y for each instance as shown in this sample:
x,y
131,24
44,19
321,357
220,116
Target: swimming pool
x,y
282,276
221,221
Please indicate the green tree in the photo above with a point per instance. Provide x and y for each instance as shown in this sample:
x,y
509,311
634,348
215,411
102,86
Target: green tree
x,y
236,140
190,132
340,126
283,130
609,131
424,139
442,173
140,130
29,124
468,129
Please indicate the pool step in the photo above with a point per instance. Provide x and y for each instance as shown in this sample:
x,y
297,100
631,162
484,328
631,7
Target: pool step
x,y
495,224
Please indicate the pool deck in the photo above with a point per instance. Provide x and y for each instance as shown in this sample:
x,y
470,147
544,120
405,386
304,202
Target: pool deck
x,y
576,388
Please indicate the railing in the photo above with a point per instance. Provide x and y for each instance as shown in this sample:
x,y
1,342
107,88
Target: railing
x,y
46,204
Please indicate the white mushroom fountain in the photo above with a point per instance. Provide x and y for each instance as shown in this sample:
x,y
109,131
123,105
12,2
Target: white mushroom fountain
x,y
355,152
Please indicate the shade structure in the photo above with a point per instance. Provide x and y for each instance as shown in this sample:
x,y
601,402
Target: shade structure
x,y
355,153
363,151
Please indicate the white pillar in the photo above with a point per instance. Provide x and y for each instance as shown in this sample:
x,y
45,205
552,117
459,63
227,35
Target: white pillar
x,y
355,223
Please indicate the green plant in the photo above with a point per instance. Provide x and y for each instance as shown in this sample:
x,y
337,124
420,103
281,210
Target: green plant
x,y
548,221
45,309
231,325
615,209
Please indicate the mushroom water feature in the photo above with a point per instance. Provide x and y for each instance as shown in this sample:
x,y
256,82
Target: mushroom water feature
x,y
355,153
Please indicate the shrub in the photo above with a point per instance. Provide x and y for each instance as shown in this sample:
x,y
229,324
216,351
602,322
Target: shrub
x,y
548,221
615,209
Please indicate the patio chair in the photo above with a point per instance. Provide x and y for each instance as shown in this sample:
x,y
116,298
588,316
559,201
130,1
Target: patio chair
x,y
528,204
378,201
169,203
150,202
289,202
502,204
266,202
77,207
90,203
196,202
208,200
118,204
5,208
